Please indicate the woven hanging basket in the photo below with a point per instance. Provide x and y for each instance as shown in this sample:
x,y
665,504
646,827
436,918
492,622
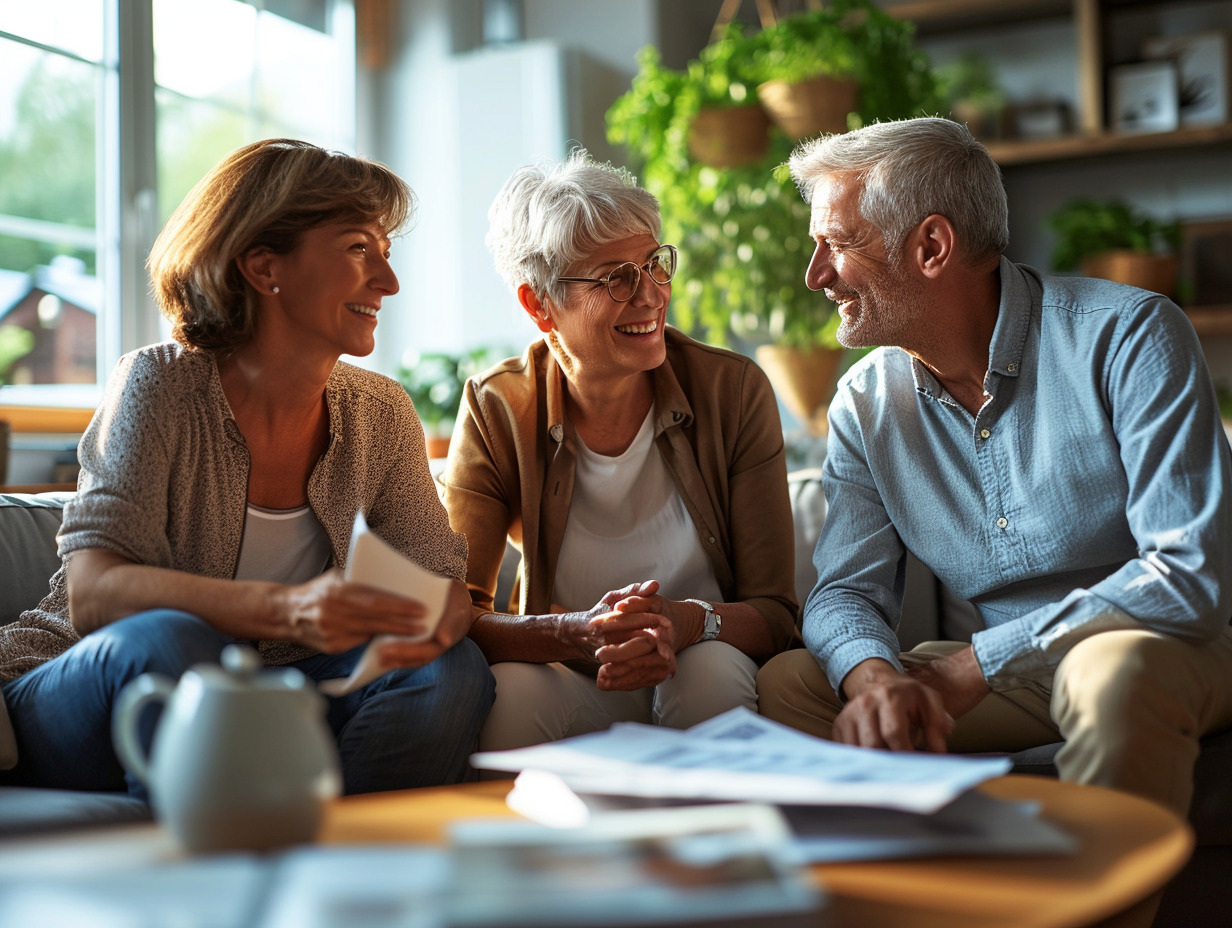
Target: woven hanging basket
x,y
730,136
810,107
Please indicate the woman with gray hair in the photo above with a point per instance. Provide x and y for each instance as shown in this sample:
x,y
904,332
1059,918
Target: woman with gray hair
x,y
641,474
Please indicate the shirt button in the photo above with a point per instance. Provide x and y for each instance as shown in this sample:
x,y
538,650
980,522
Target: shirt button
x,y
1002,522
984,433
712,539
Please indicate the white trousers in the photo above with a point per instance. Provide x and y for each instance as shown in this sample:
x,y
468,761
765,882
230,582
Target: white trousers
x,y
546,702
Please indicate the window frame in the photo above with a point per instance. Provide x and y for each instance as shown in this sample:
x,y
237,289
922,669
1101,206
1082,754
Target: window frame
x,y
126,201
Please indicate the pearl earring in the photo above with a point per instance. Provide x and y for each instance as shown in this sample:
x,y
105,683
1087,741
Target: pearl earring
x,y
274,289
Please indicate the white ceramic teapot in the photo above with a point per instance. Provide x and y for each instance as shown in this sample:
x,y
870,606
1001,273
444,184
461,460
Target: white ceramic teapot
x,y
242,757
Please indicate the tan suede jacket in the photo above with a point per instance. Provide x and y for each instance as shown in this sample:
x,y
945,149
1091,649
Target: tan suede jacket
x,y
512,461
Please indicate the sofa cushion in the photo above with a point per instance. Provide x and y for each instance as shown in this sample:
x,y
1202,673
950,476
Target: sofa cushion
x,y
28,526
25,810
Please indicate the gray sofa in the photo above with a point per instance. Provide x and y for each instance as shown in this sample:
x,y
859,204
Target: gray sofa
x,y
28,524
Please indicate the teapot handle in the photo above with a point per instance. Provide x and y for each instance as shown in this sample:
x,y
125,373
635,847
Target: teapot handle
x,y
132,699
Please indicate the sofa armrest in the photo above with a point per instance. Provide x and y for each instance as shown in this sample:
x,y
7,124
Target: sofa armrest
x,y
8,741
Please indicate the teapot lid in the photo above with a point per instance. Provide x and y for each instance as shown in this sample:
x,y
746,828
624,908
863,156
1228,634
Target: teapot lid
x,y
242,669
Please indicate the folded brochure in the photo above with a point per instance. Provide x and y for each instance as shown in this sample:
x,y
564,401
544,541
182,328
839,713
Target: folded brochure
x,y
373,562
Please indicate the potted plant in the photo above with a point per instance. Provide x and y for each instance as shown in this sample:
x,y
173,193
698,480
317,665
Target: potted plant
x,y
434,381
728,128
817,68
969,84
742,230
15,344
1116,241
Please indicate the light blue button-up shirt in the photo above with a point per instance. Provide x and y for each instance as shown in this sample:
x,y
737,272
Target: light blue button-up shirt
x,y
1089,493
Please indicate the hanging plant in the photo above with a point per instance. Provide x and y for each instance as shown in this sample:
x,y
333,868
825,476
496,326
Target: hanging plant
x,y
743,230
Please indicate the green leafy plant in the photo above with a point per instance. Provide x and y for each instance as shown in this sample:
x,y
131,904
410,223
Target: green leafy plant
x,y
971,79
1224,394
1087,227
743,232
15,344
435,380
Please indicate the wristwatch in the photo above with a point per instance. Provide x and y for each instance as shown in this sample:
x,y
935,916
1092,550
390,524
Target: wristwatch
x,y
713,623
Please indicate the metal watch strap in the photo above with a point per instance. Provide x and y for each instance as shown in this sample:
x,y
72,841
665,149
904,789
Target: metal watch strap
x,y
713,623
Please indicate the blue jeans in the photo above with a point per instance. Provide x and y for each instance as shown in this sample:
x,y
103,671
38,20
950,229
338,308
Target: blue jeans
x,y
412,727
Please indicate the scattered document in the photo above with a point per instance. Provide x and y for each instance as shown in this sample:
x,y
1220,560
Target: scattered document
x,y
358,886
730,865
373,562
742,756
974,823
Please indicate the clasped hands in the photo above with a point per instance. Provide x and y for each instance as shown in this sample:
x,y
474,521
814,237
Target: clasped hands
x,y
908,711
633,633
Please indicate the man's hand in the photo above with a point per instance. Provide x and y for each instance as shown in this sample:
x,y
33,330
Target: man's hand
x,y
957,677
890,710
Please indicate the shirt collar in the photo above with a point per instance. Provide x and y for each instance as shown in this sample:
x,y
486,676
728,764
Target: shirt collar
x,y
1020,294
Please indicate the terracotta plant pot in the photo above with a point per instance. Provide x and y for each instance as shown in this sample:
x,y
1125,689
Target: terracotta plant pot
x,y
729,136
810,107
804,379
1156,273
438,445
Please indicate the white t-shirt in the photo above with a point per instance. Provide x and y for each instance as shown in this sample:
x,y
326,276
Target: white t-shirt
x,y
628,523
282,545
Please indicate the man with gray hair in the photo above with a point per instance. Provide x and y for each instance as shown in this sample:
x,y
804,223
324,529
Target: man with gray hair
x,y
1049,447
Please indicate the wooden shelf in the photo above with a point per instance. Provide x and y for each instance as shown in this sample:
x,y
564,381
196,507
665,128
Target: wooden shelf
x,y
1211,320
930,16
1039,151
1090,21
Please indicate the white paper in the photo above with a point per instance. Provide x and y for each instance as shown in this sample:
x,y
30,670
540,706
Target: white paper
x,y
373,562
730,865
741,756
358,886
974,823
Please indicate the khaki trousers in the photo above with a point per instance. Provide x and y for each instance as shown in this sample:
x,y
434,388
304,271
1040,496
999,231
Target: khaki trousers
x,y
1130,705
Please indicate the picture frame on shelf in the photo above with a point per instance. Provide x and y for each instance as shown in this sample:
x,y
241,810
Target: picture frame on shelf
x,y
1206,263
1143,97
1201,61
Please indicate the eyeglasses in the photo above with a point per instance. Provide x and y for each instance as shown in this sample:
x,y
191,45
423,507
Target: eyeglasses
x,y
624,279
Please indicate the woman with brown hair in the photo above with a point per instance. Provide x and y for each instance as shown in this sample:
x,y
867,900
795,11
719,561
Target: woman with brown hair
x,y
221,477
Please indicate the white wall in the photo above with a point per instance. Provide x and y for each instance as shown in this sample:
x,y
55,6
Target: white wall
x,y
455,119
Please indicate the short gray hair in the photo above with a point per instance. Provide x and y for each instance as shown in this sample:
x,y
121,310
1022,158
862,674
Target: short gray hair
x,y
911,169
550,216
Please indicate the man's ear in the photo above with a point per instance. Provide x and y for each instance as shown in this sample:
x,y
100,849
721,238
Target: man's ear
x,y
258,265
535,308
932,245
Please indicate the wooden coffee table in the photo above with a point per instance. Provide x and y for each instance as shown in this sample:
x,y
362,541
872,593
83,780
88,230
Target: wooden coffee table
x,y
1129,848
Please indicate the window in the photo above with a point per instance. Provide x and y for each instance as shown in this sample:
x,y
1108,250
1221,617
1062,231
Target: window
x,y
95,157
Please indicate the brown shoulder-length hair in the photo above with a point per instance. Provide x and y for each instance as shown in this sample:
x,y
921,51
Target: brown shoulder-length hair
x,y
264,194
